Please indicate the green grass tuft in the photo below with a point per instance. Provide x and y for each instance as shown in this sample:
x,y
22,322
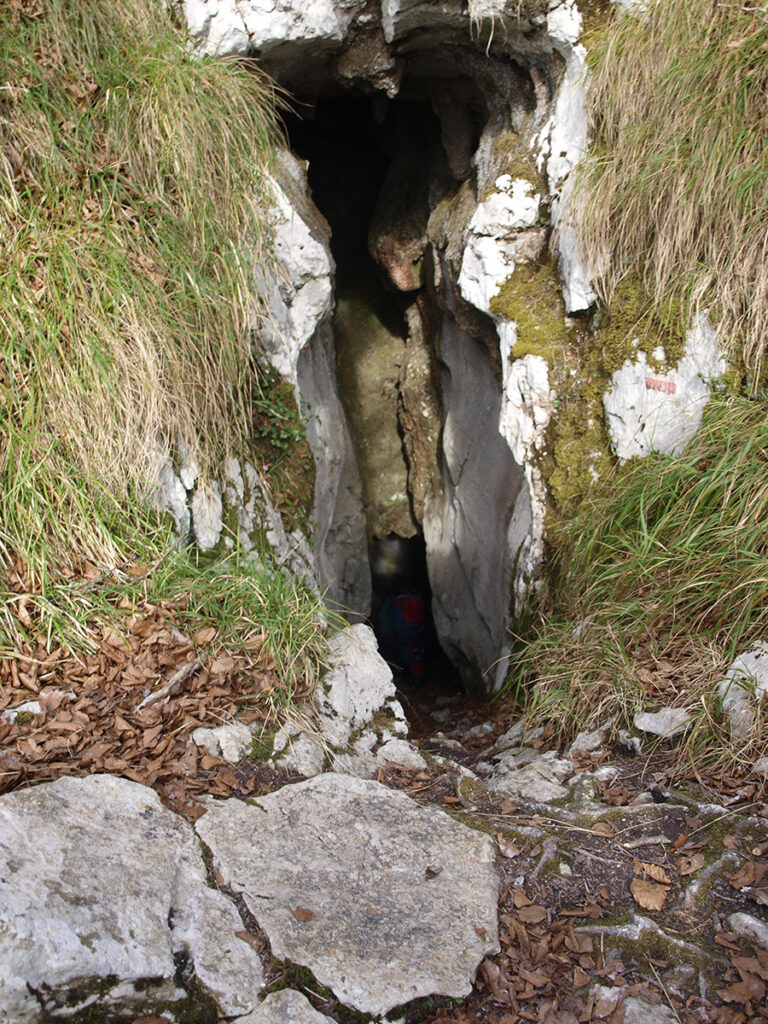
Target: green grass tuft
x,y
668,567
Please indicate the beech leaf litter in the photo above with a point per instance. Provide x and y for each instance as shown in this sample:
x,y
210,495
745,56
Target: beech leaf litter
x,y
128,709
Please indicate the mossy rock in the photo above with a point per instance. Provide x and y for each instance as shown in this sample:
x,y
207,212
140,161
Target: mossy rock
x,y
531,297
633,322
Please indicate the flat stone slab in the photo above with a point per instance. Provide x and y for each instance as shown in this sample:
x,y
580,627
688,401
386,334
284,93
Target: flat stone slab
x,y
383,900
100,885
286,1007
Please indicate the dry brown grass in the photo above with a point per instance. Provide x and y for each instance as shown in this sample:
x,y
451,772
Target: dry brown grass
x,y
133,190
674,186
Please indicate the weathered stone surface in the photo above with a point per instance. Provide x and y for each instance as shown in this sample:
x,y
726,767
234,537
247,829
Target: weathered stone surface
x,y
350,896
469,517
99,886
588,741
650,411
221,27
298,292
749,928
665,723
501,234
339,530
370,351
400,753
638,1011
354,713
526,408
745,685
285,1007
358,684
231,741
540,780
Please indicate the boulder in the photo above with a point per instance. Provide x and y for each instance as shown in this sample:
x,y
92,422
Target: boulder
x,y
383,900
355,712
103,897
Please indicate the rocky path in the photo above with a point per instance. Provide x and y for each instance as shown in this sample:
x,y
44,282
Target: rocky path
x,y
481,877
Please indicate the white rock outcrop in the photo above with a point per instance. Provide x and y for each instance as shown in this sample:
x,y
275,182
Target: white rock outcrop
x,y
651,411
99,886
222,27
499,238
383,900
355,715
297,291
744,688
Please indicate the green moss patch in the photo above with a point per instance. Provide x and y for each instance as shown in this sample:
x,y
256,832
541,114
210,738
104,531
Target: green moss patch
x,y
633,322
531,297
281,449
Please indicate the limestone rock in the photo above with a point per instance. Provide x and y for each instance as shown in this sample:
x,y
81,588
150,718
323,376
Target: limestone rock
x,y
638,1011
749,928
355,712
649,411
29,707
666,723
539,781
207,522
501,234
285,1007
587,742
221,27
745,685
299,750
469,518
400,753
358,684
350,897
526,409
339,529
298,292
231,741
101,886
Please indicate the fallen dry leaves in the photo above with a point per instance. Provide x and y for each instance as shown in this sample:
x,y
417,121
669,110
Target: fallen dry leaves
x,y
128,709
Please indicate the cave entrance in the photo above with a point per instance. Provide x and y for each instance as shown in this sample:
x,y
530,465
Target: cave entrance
x,y
376,167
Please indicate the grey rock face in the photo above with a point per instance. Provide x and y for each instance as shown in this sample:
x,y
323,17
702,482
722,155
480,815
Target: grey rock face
x,y
285,1007
100,886
383,900
467,522
341,550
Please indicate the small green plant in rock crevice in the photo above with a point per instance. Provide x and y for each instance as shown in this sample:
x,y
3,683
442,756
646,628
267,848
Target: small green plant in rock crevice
x,y
280,446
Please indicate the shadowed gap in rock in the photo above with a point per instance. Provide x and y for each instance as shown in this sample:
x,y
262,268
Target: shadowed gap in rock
x,y
370,161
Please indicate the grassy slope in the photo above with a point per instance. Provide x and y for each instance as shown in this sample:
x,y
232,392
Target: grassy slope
x,y
129,174
674,186
663,575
